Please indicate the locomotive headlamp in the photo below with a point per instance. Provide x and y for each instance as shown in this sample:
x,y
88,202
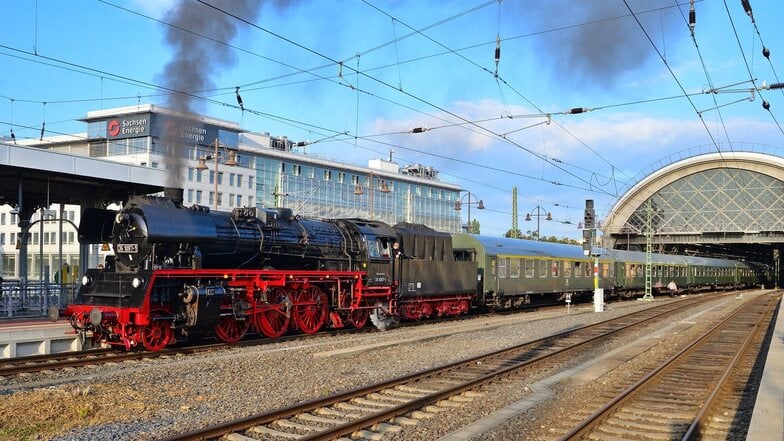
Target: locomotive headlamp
x,y
137,282
86,280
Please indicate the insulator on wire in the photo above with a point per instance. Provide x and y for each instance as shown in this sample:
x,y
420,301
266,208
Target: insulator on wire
x,y
13,137
576,110
497,53
43,128
765,105
747,8
239,98
692,17
766,52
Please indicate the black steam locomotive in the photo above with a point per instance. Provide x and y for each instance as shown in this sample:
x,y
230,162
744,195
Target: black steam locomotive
x,y
188,271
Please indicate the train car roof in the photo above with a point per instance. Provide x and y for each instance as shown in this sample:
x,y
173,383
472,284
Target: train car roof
x,y
673,259
504,246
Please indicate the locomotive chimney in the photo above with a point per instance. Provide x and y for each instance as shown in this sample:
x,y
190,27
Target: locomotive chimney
x,y
173,193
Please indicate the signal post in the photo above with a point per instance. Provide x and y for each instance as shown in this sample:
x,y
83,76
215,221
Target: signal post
x,y
589,239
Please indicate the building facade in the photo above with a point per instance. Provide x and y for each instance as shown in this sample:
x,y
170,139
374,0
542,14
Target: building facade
x,y
221,166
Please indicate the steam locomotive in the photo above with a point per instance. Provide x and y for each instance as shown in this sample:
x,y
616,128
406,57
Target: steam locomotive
x,y
179,272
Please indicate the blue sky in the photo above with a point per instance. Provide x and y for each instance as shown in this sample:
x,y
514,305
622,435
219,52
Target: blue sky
x,y
356,76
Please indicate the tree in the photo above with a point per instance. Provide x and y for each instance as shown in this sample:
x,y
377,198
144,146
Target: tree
x,y
514,233
474,228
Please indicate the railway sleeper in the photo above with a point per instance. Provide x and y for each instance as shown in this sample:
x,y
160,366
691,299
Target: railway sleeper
x,y
338,413
320,419
288,424
373,403
404,421
263,430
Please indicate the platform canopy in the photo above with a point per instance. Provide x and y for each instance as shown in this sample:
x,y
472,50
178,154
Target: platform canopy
x,y
41,177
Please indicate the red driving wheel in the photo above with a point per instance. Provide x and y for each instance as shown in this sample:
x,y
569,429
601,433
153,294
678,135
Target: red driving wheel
x,y
157,334
358,318
310,309
231,330
272,319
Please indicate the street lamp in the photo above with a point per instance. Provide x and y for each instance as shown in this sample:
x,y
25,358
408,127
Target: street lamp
x,y
459,205
538,215
202,165
382,187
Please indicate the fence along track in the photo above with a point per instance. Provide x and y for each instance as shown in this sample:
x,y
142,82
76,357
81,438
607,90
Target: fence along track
x,y
666,403
382,406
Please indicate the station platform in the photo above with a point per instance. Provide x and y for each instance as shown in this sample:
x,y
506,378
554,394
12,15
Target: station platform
x,y
767,422
24,337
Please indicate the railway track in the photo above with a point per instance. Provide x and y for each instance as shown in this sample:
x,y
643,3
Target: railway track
x,y
37,363
390,405
695,393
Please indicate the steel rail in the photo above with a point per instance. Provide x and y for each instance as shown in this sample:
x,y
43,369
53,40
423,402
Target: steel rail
x,y
584,427
220,430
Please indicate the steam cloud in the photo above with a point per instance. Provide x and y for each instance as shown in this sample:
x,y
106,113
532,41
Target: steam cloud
x,y
605,49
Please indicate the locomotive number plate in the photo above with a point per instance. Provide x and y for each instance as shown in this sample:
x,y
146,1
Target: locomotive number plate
x,y
127,248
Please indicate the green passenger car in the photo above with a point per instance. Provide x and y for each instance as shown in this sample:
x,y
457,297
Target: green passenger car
x,y
513,272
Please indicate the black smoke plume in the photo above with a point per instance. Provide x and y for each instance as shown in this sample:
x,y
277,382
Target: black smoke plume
x,y
196,59
597,41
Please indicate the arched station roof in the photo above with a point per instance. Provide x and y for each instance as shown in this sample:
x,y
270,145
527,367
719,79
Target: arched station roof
x,y
729,197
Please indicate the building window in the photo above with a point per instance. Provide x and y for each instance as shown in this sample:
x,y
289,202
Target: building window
x,y
191,173
341,177
212,177
231,199
239,200
220,178
199,175
296,170
250,182
220,198
2,218
239,181
211,200
2,238
354,180
232,176
190,195
250,201
198,196
327,175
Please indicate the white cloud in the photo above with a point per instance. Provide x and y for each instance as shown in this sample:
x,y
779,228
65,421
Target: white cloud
x,y
154,8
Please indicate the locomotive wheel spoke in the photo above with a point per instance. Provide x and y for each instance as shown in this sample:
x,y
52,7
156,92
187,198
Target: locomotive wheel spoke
x,y
358,318
310,310
427,311
231,330
273,319
157,334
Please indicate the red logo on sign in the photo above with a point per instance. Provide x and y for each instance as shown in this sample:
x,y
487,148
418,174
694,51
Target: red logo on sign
x,y
113,128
